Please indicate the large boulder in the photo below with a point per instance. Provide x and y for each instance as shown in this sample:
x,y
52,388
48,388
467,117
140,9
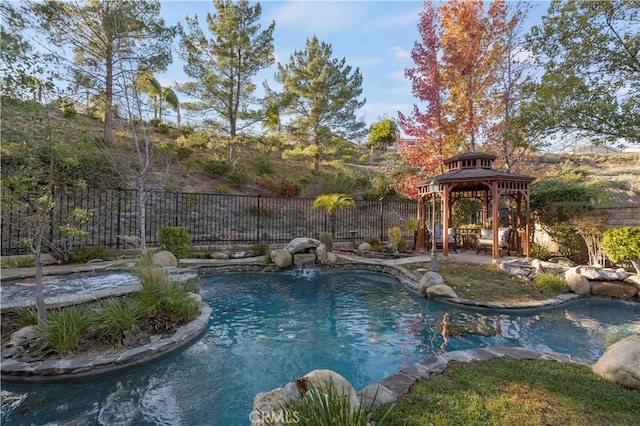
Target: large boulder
x,y
441,290
542,267
323,380
321,254
332,258
300,244
282,258
517,268
621,363
429,279
365,246
166,259
618,289
577,283
267,407
600,274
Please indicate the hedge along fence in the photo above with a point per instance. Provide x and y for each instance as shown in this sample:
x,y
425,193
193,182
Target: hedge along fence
x,y
210,218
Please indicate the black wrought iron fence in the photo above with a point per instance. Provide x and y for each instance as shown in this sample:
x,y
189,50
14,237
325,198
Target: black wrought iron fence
x,y
211,218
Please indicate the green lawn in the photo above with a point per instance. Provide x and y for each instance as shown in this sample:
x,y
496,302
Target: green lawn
x,y
512,392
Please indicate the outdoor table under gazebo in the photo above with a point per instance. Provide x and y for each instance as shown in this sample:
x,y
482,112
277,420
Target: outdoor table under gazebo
x,y
471,175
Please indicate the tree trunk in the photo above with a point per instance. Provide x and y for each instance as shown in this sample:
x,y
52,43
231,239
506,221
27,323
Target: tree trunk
x,y
40,305
142,209
108,113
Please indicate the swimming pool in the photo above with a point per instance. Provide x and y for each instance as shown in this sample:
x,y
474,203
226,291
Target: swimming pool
x,y
267,328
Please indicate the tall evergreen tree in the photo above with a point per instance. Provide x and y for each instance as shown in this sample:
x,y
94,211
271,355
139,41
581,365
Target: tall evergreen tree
x,y
223,66
321,97
108,38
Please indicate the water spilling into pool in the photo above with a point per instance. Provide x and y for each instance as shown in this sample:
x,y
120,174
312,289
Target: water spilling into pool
x,y
267,328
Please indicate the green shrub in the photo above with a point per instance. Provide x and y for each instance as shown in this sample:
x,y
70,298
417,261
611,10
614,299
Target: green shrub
x,y
539,252
551,282
162,128
321,407
177,240
21,262
622,244
326,238
154,122
240,176
218,167
395,236
87,253
167,304
26,317
221,189
372,240
63,329
69,110
113,317
260,248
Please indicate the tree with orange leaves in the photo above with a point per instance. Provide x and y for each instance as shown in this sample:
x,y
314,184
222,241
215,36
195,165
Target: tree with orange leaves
x,y
459,64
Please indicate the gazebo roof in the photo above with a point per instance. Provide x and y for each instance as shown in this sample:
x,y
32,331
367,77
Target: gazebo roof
x,y
471,169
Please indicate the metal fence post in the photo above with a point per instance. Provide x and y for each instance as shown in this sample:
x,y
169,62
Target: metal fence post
x,y
381,219
176,196
258,220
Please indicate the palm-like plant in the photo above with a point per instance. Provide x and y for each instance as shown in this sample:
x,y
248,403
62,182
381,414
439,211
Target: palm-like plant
x,y
331,203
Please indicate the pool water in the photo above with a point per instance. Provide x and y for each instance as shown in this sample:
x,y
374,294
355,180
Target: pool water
x,y
267,328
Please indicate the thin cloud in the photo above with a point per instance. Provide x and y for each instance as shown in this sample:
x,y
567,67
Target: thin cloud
x,y
400,53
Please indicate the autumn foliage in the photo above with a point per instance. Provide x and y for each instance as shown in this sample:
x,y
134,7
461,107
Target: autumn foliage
x,y
457,79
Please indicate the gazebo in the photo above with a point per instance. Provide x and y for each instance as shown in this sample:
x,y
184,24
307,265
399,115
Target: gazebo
x,y
471,175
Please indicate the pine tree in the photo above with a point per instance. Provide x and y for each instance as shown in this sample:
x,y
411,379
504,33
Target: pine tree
x,y
321,97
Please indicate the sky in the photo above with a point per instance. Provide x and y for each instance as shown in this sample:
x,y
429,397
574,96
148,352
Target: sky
x,y
374,36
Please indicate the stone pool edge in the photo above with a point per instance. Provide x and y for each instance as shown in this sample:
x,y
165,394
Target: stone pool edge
x,y
54,370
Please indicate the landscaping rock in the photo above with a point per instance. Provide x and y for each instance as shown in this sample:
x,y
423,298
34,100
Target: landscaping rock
x,y
323,380
517,268
633,279
298,245
431,278
621,363
166,259
618,289
622,274
441,290
331,258
577,283
282,259
542,267
365,247
302,259
321,254
23,336
267,406
598,274
219,255
562,261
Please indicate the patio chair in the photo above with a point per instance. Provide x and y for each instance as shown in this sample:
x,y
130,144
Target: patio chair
x,y
451,237
485,240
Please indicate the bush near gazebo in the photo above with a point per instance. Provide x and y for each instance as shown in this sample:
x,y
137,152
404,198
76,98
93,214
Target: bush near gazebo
x,y
623,244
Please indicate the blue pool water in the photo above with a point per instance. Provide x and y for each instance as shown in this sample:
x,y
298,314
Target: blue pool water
x,y
267,328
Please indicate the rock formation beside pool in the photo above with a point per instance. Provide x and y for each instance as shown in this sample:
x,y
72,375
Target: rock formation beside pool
x,y
621,363
584,280
166,259
302,251
268,406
